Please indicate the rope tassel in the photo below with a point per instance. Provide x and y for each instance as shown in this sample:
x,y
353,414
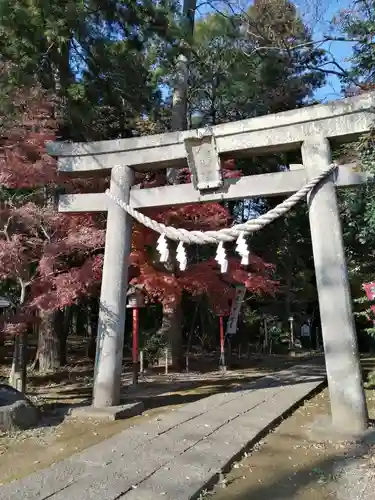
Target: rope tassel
x,y
243,249
162,248
181,256
221,257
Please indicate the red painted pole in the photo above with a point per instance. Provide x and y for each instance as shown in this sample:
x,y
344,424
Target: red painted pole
x,y
135,345
222,352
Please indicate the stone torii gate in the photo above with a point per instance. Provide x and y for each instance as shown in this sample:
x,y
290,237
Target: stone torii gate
x,y
312,129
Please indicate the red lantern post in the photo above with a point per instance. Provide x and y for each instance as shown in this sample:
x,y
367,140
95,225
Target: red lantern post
x,y
222,341
135,302
135,349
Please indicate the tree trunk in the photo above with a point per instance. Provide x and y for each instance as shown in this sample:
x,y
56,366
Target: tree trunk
x,y
62,330
17,376
73,320
171,330
2,343
81,318
172,325
48,343
93,312
181,81
289,273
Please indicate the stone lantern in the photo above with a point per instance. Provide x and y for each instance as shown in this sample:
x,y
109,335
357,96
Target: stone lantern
x,y
135,297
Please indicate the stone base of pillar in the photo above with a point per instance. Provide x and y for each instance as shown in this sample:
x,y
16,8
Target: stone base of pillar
x,y
322,429
110,413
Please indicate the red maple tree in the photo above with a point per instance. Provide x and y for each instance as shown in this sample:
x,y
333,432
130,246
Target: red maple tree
x,y
51,258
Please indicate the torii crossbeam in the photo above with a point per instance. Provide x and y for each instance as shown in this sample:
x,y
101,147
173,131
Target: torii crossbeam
x,y
312,130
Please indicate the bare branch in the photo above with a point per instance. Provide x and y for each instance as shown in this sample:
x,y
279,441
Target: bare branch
x,y
44,231
5,229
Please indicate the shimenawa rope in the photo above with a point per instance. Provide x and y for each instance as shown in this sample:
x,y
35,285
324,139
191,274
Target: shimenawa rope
x,y
227,234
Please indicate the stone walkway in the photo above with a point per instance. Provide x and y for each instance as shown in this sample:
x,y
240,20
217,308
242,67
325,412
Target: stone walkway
x,y
174,456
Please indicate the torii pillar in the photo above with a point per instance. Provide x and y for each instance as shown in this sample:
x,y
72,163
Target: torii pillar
x,y
343,367
111,325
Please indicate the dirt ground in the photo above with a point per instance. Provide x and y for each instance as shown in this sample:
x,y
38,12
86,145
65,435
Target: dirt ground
x,y
58,437
291,464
